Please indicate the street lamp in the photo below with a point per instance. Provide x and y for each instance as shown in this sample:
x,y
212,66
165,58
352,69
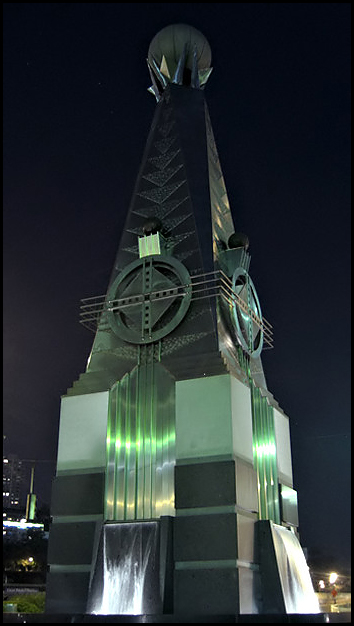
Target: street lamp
x,y
332,578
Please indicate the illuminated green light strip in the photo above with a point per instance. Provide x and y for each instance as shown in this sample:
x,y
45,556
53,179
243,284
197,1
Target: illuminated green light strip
x,y
265,456
149,244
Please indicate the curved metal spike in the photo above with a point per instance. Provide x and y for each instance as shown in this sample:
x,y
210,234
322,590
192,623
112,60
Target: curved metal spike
x,y
178,75
204,75
163,80
164,67
154,87
195,77
155,92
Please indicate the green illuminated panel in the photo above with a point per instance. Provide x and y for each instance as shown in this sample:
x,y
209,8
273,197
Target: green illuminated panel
x,y
149,244
31,506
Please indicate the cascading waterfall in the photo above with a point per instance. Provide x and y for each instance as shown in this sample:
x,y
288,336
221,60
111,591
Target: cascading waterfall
x,y
125,580
298,593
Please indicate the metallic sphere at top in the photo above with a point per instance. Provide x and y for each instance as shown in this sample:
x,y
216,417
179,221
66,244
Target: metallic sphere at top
x,y
170,42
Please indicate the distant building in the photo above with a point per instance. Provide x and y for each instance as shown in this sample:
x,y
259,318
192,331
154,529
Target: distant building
x,y
14,513
13,476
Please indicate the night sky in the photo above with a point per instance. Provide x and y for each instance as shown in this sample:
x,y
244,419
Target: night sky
x,y
76,117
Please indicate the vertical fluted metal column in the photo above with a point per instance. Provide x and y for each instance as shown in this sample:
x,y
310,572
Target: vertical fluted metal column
x,y
265,456
111,454
141,445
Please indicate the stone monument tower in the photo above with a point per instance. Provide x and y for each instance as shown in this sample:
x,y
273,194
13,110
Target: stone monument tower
x,y
174,476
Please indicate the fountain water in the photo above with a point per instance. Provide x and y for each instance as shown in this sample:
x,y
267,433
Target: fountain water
x,y
298,593
285,582
126,575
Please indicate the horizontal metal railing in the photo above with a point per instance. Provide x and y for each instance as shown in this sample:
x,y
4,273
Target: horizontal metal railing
x,y
207,285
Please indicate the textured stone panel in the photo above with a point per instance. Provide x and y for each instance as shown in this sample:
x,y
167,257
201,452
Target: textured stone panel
x,y
246,486
205,484
82,431
71,543
78,494
205,537
209,591
67,592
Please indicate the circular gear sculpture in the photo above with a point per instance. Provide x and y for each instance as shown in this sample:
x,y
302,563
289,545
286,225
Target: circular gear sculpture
x,y
149,299
246,313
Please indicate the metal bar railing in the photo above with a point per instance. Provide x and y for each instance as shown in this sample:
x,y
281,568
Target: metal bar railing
x,y
208,285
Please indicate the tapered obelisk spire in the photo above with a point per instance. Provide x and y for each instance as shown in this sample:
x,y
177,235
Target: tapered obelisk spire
x,y
171,427
179,221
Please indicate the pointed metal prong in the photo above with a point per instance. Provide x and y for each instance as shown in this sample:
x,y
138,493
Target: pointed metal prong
x,y
204,75
178,75
154,89
195,77
155,92
164,68
155,68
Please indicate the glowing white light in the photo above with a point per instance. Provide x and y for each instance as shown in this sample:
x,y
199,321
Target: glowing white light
x,y
333,577
22,525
